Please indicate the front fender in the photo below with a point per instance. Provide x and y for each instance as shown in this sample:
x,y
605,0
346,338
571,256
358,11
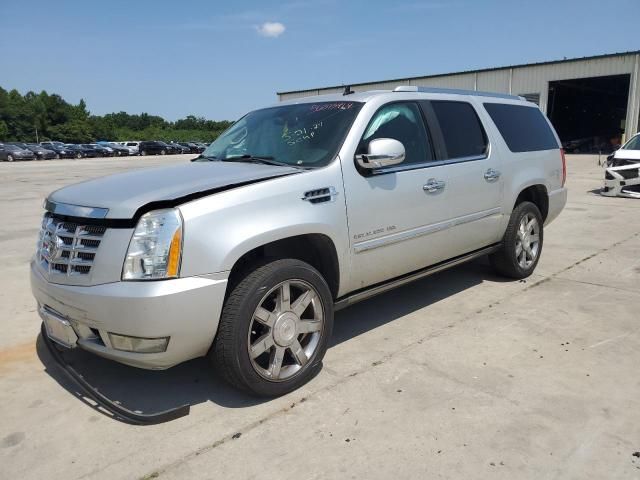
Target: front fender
x,y
222,227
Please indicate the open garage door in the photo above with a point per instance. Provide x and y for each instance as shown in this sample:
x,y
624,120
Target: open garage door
x,y
589,113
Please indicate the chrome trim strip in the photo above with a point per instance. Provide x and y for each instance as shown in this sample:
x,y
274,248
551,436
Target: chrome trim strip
x,y
398,282
421,231
70,210
429,164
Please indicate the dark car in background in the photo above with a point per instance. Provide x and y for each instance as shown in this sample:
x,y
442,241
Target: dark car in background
x,y
40,152
193,147
9,153
97,150
59,148
50,144
170,148
179,148
81,152
116,150
153,148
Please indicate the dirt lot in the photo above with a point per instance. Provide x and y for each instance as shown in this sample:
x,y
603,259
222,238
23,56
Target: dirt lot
x,y
461,375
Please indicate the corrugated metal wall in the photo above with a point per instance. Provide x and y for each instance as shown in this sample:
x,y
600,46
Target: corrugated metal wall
x,y
531,79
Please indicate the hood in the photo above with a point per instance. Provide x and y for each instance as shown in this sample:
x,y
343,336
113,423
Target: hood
x,y
627,154
124,194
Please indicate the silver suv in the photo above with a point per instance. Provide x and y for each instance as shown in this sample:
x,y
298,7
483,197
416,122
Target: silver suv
x,y
294,212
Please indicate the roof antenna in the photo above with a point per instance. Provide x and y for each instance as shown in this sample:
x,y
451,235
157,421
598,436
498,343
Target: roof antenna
x,y
347,90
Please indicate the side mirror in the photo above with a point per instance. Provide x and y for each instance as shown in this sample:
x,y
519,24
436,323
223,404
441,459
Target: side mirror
x,y
382,152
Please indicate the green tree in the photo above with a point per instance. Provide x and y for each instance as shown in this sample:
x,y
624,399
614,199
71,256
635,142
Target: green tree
x,y
56,119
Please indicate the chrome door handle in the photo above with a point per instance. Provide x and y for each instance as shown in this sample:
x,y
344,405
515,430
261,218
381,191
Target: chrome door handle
x,y
491,175
433,185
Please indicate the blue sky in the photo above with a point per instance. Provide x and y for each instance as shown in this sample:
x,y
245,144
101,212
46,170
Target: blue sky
x,y
220,59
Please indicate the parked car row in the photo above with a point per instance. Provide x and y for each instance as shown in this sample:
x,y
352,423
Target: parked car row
x,y
10,151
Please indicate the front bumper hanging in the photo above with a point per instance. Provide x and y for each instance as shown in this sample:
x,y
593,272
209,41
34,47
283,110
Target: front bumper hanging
x,y
118,411
622,181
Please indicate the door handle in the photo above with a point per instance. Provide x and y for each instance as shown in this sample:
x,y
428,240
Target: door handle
x,y
491,175
433,185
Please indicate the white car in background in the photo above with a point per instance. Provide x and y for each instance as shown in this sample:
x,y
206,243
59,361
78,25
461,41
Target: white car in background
x,y
622,175
132,146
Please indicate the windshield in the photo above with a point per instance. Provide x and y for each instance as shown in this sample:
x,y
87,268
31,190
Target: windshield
x,y
633,144
305,135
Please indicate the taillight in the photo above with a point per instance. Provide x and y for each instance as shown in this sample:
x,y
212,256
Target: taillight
x,y
564,167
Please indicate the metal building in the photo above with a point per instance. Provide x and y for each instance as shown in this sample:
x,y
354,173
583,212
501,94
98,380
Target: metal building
x,y
593,102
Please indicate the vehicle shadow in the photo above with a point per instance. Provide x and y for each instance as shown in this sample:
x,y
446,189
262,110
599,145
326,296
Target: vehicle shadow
x,y
193,382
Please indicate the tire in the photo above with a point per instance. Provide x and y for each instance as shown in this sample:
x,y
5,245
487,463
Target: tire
x,y
57,156
275,368
9,158
78,156
521,247
143,153
163,152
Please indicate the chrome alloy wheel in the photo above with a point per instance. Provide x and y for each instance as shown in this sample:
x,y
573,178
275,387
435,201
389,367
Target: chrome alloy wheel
x,y
285,330
527,241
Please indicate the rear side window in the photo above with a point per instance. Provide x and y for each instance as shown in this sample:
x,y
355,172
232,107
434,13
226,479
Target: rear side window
x,y
523,128
461,129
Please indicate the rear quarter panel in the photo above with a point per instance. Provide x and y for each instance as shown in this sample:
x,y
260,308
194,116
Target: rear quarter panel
x,y
524,169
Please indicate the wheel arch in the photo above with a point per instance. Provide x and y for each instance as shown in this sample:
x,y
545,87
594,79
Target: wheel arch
x,y
536,194
316,249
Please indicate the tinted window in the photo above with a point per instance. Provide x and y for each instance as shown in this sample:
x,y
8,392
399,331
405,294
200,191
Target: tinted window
x,y
523,128
461,129
402,122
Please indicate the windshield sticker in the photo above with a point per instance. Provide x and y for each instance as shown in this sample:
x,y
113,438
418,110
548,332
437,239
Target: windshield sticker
x,y
331,106
291,137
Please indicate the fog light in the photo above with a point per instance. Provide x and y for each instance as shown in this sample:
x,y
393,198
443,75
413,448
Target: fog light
x,y
137,344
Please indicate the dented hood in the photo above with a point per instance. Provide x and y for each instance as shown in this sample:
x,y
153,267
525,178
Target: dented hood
x,y
124,194
627,154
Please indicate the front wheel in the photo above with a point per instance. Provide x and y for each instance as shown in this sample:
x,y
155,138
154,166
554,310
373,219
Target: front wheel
x,y
163,152
143,153
9,158
274,328
521,244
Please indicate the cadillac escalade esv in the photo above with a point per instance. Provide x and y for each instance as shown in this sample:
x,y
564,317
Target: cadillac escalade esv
x,y
295,211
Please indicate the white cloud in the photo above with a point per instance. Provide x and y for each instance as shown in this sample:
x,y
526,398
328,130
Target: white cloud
x,y
271,29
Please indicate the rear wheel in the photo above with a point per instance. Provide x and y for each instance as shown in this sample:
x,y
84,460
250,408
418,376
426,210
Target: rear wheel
x,y
521,244
163,152
274,328
143,153
9,158
57,156
78,155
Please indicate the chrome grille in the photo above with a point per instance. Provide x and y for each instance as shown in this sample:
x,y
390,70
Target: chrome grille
x,y
68,248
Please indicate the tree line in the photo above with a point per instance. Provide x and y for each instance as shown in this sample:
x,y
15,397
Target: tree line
x,y
50,117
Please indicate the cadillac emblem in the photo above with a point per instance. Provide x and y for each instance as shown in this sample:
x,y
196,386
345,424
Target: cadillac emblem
x,y
52,245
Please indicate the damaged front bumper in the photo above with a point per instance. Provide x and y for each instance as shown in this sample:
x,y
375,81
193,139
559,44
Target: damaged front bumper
x,y
622,180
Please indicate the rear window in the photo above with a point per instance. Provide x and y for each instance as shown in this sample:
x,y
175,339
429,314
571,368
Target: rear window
x,y
461,128
523,128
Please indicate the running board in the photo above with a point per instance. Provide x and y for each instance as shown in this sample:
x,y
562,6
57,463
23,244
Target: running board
x,y
118,411
411,277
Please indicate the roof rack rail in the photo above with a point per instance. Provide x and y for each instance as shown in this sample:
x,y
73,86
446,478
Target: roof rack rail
x,y
413,88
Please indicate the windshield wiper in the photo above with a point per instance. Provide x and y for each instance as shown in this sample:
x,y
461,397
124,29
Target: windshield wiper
x,y
210,158
266,160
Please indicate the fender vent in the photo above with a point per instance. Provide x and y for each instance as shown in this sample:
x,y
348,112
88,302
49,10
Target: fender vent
x,y
320,195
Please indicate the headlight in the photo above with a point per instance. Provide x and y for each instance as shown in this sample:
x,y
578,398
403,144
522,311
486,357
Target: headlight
x,y
156,247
